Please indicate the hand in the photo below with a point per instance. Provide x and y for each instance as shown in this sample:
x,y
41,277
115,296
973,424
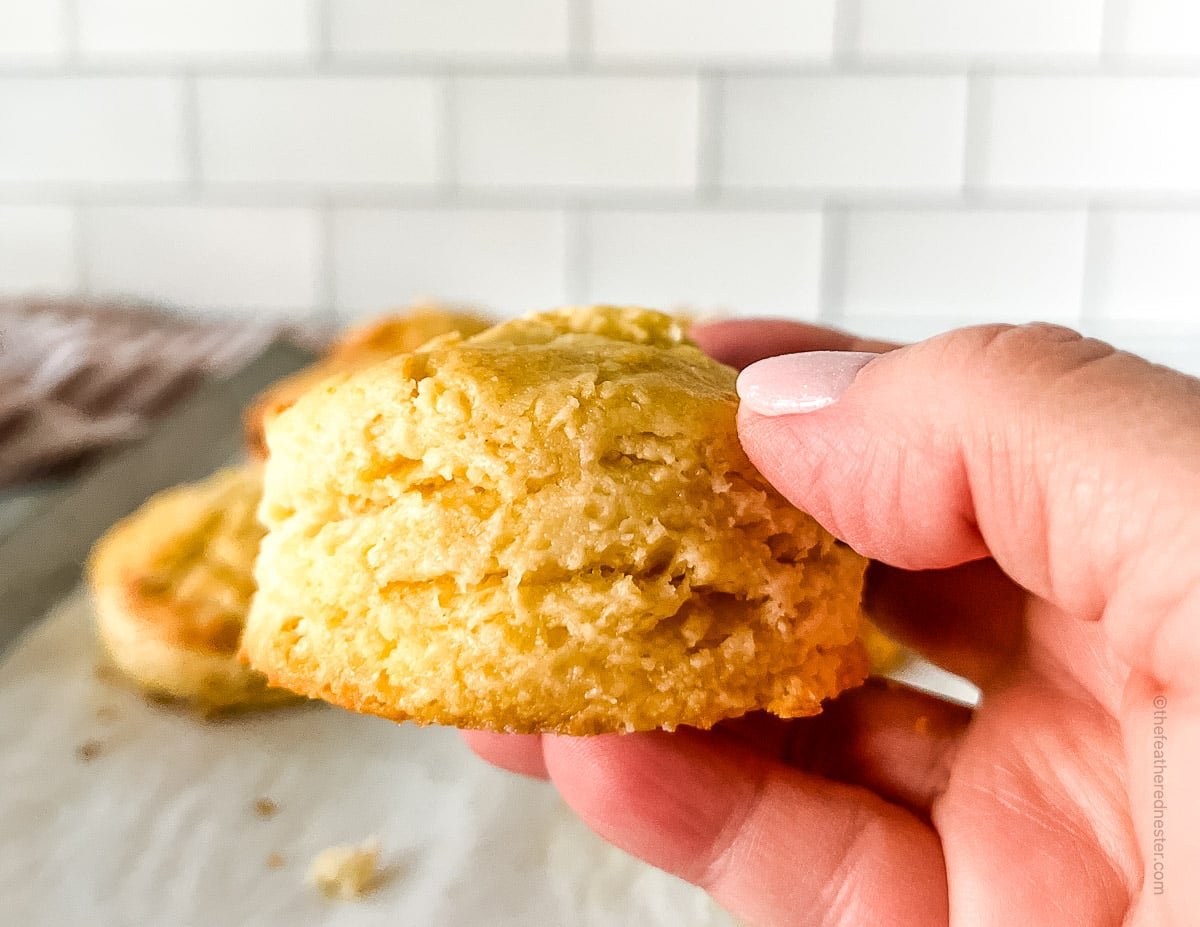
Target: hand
x,y
1033,501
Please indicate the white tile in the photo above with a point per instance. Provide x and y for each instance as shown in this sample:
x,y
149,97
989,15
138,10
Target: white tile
x,y
723,261
577,131
1072,133
899,329
1147,265
743,31
1157,28
98,130
1181,354
31,31
201,257
454,29
1169,344
318,130
964,265
37,249
843,132
183,30
980,28
507,260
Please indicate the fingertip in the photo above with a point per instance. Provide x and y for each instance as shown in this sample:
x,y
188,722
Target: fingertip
x,y
517,753
795,384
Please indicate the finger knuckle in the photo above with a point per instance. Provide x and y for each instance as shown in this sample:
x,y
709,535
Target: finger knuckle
x,y
1035,350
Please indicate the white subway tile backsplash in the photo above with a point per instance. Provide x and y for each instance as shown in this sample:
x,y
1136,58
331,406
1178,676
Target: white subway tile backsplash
x,y
897,166
900,329
94,130
553,131
506,260
37,249
1158,28
1147,264
318,130
980,28
964,265
761,32
859,132
450,29
31,31
706,260
189,30
1102,134
206,258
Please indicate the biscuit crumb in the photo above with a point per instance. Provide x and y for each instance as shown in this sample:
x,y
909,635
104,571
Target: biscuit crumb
x,y
275,861
346,873
89,750
921,725
265,808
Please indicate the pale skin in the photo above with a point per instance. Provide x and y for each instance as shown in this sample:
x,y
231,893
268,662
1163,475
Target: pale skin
x,y
1033,501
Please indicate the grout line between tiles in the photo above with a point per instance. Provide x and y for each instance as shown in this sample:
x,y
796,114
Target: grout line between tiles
x,y
976,122
1094,271
322,33
847,23
79,244
70,30
579,34
193,168
327,285
446,137
851,62
832,287
576,262
1114,22
682,200
708,131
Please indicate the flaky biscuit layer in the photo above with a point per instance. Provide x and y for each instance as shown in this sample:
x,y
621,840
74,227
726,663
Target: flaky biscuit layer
x,y
550,526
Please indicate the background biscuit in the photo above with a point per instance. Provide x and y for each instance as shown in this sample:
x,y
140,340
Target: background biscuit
x,y
358,347
172,585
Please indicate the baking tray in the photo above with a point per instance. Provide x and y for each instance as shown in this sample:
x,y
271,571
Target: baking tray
x,y
43,551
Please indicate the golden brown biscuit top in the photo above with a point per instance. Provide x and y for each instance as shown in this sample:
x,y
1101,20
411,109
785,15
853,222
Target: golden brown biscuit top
x,y
573,436
400,333
357,348
631,324
184,561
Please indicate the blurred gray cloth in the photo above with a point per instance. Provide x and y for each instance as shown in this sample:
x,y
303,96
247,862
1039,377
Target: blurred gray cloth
x,y
79,376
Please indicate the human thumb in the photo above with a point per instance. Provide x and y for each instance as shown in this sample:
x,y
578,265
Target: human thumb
x,y
1077,467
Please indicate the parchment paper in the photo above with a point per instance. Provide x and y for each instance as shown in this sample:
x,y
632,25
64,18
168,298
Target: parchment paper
x,y
159,826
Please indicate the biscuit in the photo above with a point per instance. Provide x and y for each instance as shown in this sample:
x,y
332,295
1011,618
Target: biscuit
x,y
172,584
359,347
346,873
550,526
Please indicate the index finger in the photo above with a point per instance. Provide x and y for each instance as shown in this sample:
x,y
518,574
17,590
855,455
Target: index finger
x,y
741,342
